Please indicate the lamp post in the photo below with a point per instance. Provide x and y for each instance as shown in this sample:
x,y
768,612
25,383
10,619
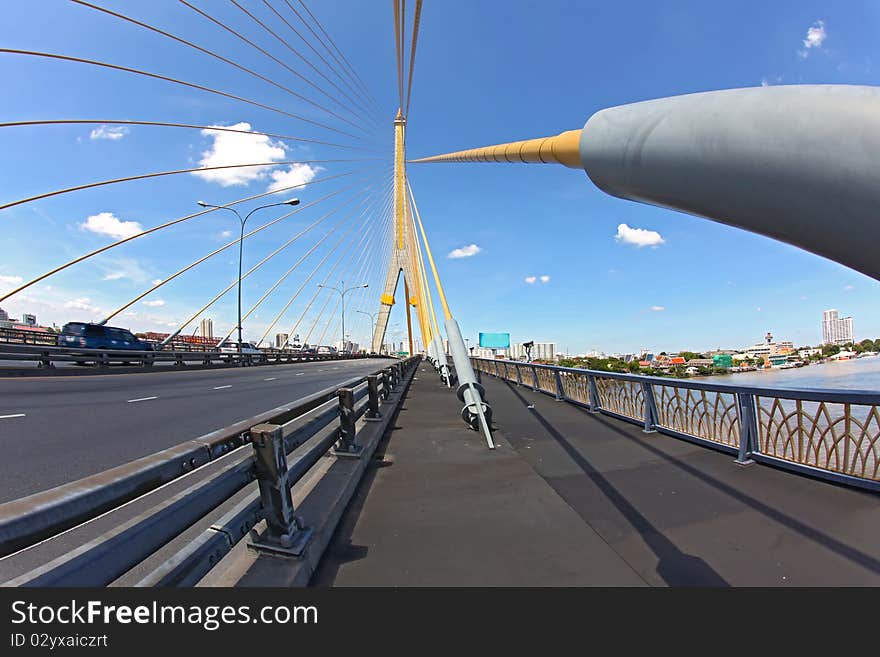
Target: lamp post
x,y
372,317
293,201
343,291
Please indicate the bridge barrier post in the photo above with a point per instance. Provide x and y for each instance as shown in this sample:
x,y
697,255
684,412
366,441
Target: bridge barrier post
x,y
285,533
519,380
650,407
535,385
373,414
748,427
346,446
560,393
386,383
45,361
595,404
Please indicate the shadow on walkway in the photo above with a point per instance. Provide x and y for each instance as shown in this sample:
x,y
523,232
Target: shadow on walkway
x,y
674,566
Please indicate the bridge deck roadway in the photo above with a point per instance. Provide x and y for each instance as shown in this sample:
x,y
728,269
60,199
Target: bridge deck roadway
x,y
574,499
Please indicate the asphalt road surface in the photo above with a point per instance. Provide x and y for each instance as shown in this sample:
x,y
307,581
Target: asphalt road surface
x,y
58,429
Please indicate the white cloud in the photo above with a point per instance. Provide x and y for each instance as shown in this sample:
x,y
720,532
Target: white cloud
x,y
224,235
10,280
545,279
125,268
531,279
815,35
229,148
106,223
465,251
156,281
82,303
638,236
849,288
657,309
113,133
157,304
296,174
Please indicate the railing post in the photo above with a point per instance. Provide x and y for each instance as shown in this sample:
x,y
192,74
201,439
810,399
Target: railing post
x,y
748,427
346,446
650,407
45,361
373,414
285,533
560,393
386,382
595,403
535,385
518,374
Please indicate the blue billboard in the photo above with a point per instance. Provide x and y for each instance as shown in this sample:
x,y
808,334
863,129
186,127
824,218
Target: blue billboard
x,y
495,340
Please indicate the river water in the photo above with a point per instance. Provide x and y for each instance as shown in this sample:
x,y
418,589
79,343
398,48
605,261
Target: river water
x,y
860,374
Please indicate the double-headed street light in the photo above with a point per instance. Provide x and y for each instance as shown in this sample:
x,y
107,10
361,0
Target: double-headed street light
x,y
343,291
293,201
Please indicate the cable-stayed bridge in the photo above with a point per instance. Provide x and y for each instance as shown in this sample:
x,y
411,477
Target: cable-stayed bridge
x,y
157,476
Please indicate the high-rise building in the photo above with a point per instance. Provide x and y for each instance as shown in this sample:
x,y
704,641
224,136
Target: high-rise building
x,y
347,346
4,316
206,328
280,340
540,351
29,320
836,329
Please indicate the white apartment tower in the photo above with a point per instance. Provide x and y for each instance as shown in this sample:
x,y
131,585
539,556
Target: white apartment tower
x,y
835,329
206,328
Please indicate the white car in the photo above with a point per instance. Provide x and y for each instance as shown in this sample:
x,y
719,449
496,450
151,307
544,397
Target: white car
x,y
232,348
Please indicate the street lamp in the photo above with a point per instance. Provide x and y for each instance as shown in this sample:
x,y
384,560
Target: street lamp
x,y
372,317
343,291
293,201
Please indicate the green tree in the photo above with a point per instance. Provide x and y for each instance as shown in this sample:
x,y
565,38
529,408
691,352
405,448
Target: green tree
x,y
830,349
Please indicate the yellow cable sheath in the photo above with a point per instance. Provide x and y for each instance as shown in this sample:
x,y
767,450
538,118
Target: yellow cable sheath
x,y
563,148
446,312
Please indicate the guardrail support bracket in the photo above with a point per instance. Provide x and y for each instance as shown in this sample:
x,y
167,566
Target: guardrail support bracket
x,y
285,534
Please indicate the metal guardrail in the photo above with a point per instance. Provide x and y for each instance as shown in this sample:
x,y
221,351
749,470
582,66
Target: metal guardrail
x,y
256,449
831,434
46,356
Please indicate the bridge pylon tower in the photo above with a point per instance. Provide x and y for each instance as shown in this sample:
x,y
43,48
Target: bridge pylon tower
x,y
404,255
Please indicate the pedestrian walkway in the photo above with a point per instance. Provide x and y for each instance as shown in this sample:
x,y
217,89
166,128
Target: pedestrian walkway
x,y
571,498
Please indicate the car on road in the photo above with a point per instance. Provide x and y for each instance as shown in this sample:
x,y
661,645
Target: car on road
x,y
230,347
97,336
323,349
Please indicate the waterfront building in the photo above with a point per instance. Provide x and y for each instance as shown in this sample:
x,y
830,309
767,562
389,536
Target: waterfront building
x,y
836,329
280,340
767,349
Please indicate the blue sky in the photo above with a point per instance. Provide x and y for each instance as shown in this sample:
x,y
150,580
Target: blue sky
x,y
486,72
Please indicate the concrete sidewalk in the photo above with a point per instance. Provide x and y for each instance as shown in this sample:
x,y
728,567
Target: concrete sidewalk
x,y
437,508
569,498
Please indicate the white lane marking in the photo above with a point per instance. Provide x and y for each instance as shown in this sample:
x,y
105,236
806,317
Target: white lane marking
x,y
131,401
300,373
4,417
222,387
271,378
